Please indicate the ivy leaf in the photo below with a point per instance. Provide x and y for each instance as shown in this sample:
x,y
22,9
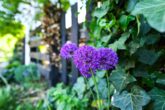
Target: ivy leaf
x,y
140,71
127,63
134,100
125,20
102,87
100,12
144,26
106,38
100,74
158,96
131,4
120,43
148,56
160,79
134,45
153,10
79,87
120,79
151,39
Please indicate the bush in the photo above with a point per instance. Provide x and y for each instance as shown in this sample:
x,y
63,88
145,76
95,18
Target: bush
x,y
63,98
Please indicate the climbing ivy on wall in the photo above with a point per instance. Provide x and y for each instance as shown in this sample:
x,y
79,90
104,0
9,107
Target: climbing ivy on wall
x,y
135,30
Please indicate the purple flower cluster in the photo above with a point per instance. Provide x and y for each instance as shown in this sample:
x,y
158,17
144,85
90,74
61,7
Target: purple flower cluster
x,y
107,58
85,59
68,50
89,59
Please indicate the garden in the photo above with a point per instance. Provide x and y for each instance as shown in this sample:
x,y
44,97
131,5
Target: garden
x,y
82,55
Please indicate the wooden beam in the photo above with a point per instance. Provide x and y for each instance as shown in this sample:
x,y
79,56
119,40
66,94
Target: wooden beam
x,y
39,56
43,70
74,38
37,43
63,36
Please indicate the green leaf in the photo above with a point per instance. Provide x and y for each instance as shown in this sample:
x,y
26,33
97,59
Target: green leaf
x,y
18,73
125,20
106,38
101,74
133,46
100,12
131,4
147,56
140,71
95,103
138,42
103,89
134,100
158,96
120,43
127,63
79,87
160,79
102,22
65,4
120,79
151,39
144,26
154,11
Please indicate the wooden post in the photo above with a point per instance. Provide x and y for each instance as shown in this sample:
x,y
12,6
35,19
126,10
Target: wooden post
x,y
74,38
63,36
26,47
23,54
89,9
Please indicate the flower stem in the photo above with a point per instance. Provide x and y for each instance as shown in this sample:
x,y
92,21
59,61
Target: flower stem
x,y
108,84
4,80
97,91
89,87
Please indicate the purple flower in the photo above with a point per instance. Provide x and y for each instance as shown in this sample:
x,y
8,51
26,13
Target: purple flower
x,y
85,59
108,59
68,50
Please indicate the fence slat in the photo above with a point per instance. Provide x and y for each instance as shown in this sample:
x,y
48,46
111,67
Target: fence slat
x,y
39,56
43,70
35,38
74,38
23,53
37,43
63,36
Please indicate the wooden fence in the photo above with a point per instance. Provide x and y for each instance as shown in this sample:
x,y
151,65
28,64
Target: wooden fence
x,y
67,72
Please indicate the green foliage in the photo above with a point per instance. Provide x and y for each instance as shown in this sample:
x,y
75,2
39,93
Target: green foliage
x,y
100,12
80,87
120,79
153,10
5,97
26,73
16,97
11,31
22,74
158,97
124,21
147,56
64,98
131,101
140,46
8,25
64,4
120,43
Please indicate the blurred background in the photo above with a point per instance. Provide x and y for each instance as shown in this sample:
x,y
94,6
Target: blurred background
x,y
31,34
